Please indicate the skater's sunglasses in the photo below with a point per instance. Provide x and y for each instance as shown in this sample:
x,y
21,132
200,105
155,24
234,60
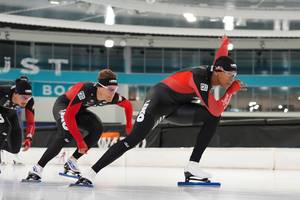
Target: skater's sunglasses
x,y
228,73
111,88
24,97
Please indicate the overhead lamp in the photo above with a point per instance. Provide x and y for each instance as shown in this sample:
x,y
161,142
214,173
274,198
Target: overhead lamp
x,y
286,110
109,16
109,43
123,43
230,47
299,98
53,2
228,23
190,17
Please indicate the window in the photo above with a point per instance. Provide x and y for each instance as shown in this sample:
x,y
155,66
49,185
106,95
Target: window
x,y
7,55
207,57
43,52
154,60
262,62
172,61
80,57
23,50
63,51
280,62
244,61
98,58
295,61
190,58
138,60
116,59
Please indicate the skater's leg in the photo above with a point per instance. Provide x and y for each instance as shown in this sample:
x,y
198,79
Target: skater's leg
x,y
14,138
11,133
210,124
5,129
93,125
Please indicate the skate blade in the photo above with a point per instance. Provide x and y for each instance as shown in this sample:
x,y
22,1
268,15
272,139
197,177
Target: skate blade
x,y
80,185
200,183
68,175
30,181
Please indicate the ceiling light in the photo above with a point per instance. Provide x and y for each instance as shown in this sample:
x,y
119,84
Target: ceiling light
x,y
123,43
299,98
280,106
230,46
285,110
190,17
54,2
228,23
110,16
109,43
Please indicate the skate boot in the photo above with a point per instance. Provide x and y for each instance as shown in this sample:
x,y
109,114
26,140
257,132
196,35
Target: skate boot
x,y
193,172
82,182
17,160
35,175
71,169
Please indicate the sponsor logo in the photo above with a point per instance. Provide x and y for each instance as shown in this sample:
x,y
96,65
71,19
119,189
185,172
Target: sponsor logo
x,y
1,119
81,95
204,87
141,115
62,119
106,142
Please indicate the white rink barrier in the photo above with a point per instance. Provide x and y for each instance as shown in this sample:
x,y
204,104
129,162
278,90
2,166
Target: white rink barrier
x,y
239,158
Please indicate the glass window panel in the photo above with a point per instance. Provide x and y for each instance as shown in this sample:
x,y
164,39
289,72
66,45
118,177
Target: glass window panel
x,y
154,60
294,99
295,61
23,50
280,96
80,58
138,60
207,57
240,101
43,52
262,97
7,53
171,60
98,58
116,59
190,57
262,62
280,62
244,61
63,51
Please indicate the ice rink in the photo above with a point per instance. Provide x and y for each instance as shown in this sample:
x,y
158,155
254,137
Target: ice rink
x,y
119,183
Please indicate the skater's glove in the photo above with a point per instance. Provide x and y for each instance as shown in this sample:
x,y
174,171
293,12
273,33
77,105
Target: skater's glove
x,y
82,147
27,143
235,87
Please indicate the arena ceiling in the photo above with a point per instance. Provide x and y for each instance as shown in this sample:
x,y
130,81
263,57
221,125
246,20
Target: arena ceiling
x,y
209,14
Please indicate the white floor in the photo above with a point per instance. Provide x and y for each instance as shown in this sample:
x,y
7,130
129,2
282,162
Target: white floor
x,y
119,183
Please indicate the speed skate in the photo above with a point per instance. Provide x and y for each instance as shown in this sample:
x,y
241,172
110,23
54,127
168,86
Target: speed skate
x,y
69,175
191,180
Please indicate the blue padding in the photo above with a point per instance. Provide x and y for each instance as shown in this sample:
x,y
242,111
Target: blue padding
x,y
69,77
212,184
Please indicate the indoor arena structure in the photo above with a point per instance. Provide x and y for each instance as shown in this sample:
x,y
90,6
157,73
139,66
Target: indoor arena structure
x,y
182,75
